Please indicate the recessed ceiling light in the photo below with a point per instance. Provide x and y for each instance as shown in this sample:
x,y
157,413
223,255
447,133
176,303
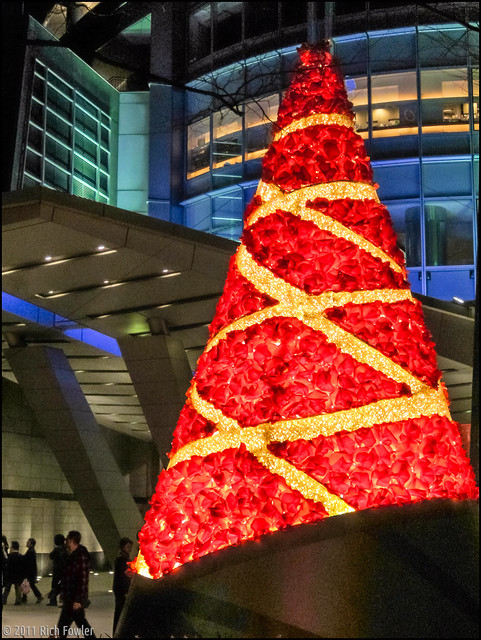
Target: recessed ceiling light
x,y
106,281
47,258
101,247
51,291
165,271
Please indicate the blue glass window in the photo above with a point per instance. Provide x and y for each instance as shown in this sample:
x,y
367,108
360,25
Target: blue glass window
x,y
397,180
406,218
447,178
392,50
197,215
442,45
449,231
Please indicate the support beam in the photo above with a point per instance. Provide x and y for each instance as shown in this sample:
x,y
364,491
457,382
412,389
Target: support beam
x,y
160,373
70,428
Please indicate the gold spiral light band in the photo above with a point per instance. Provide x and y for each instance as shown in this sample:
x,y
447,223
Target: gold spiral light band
x,y
274,198
314,120
230,433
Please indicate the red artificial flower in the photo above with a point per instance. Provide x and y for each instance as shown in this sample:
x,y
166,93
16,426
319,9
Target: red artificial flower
x,y
253,377
317,87
368,218
315,260
224,514
391,463
314,155
190,427
397,330
239,298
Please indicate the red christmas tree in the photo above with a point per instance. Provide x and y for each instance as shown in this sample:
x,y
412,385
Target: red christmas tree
x,y
318,393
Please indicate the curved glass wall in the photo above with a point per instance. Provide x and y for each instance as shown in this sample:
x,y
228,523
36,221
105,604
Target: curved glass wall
x,y
415,94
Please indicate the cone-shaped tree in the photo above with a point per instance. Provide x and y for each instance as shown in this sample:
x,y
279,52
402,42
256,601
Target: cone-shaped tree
x,y
318,392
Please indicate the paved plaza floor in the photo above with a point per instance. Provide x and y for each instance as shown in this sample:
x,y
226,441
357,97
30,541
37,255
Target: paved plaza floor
x,y
33,620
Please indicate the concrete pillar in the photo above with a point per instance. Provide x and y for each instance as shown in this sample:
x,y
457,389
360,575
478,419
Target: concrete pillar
x,y
52,390
161,375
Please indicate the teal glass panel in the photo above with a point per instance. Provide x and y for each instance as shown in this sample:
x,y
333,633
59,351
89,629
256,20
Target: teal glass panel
x,y
352,53
227,213
58,152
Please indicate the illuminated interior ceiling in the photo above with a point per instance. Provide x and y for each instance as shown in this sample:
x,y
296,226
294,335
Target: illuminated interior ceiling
x,y
77,275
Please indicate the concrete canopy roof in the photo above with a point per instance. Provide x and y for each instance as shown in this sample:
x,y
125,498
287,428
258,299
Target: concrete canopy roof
x,y
79,275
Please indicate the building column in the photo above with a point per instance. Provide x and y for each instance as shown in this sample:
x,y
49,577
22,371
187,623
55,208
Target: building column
x,y
70,428
161,375
166,159
167,127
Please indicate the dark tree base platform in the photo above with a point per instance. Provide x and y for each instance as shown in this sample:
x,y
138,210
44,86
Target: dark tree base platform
x,y
393,572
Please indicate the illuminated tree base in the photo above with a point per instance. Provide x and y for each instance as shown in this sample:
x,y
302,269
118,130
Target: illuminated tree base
x,y
409,571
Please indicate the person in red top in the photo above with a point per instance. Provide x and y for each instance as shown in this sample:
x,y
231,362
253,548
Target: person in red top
x,y
75,587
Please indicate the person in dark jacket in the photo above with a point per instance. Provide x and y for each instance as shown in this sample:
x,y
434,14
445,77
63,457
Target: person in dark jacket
x,y
4,560
121,583
31,574
57,556
15,573
74,587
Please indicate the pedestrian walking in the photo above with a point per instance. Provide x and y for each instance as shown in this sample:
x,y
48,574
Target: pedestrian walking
x,y
121,582
58,556
4,560
74,588
15,573
31,572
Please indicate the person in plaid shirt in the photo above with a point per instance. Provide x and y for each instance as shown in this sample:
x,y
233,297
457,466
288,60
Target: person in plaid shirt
x,y
75,588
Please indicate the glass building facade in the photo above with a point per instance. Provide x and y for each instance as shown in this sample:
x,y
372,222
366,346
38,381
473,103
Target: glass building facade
x,y
193,155
415,92
70,126
68,139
